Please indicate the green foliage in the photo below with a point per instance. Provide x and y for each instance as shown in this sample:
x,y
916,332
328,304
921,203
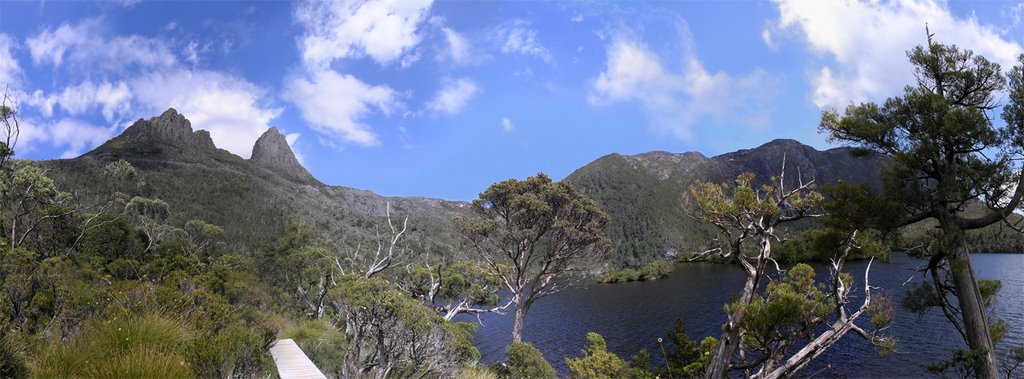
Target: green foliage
x,y
962,364
684,357
147,347
947,155
12,357
822,245
788,307
654,270
543,231
111,238
522,360
324,344
388,330
478,373
597,362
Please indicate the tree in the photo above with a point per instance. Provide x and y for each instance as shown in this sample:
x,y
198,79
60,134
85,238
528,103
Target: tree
x,y
392,334
760,329
532,233
10,129
947,154
29,198
465,287
149,216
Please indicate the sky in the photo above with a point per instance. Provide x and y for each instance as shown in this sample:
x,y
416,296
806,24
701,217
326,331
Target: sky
x,y
441,99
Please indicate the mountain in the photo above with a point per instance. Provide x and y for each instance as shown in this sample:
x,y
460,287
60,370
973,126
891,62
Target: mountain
x,y
644,193
273,153
252,199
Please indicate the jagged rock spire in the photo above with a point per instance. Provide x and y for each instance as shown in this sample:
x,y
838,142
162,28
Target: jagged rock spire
x,y
170,127
272,151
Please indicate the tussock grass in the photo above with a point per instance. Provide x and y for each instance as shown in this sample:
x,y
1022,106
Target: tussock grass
x,y
150,346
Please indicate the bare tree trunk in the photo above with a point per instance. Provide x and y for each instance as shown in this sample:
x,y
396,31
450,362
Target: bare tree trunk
x,y
719,366
517,328
972,307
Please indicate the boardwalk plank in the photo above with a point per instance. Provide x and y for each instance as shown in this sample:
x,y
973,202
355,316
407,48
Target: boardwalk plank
x,y
292,363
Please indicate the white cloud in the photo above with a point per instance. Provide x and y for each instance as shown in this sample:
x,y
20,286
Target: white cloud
x,y
336,104
867,41
76,135
454,96
10,72
383,30
507,125
86,46
142,78
230,108
458,47
292,138
577,18
766,36
192,53
518,38
676,100
112,99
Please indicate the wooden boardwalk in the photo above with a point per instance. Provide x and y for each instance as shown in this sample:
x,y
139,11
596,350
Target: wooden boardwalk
x,y
292,363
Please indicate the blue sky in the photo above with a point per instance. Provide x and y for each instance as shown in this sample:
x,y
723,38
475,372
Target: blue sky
x,y
415,98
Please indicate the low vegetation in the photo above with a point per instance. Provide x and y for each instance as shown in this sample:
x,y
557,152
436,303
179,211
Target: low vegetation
x,y
651,271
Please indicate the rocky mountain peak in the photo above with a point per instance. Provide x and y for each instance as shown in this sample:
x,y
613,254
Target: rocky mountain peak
x,y
169,127
272,151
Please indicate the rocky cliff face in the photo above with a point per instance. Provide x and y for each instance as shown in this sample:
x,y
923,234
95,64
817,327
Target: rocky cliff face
x,y
171,128
272,152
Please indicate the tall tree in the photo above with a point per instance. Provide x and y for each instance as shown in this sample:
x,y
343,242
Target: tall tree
x,y
947,153
760,330
535,234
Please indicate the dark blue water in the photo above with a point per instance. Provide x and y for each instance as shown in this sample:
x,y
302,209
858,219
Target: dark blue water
x,y
634,315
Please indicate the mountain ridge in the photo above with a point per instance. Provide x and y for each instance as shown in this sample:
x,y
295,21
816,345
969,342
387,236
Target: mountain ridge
x,y
644,193
254,198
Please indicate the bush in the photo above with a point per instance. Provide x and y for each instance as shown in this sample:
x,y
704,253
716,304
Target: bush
x,y
123,269
597,362
525,361
651,271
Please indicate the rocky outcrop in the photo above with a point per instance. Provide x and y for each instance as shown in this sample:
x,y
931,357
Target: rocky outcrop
x,y
271,151
169,128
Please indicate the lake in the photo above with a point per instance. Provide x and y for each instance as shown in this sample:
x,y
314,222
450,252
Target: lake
x,y
634,315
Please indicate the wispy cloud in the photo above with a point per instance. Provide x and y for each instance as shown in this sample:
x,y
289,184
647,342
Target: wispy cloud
x,y
454,96
10,71
676,100
517,37
87,47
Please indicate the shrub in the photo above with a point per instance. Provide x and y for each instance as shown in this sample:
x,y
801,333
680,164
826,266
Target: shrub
x,y
597,362
525,361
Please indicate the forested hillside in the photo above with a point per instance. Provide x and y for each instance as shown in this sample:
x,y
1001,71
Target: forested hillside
x,y
644,194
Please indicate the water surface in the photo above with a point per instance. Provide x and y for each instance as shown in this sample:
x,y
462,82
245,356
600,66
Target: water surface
x,y
634,315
